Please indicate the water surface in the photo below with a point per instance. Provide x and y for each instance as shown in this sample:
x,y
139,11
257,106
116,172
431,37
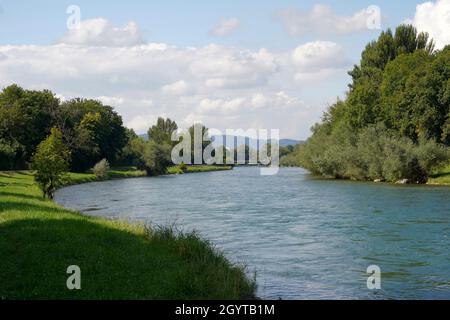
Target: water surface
x,y
307,238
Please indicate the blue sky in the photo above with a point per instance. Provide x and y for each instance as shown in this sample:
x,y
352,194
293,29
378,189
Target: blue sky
x,y
184,23
268,64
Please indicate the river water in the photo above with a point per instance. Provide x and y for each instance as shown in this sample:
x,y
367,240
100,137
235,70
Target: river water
x,y
306,238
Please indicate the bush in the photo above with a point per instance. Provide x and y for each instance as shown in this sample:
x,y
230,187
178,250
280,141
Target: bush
x,y
183,167
101,169
157,158
375,153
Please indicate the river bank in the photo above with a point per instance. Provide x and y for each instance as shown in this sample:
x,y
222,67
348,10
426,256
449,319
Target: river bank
x,y
118,260
439,177
307,238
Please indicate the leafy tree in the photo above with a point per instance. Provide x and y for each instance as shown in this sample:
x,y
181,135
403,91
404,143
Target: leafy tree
x,y
157,158
51,163
92,131
394,117
131,153
162,131
9,151
25,119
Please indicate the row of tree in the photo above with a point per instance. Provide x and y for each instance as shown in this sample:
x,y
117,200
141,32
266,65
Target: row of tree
x,y
395,121
90,130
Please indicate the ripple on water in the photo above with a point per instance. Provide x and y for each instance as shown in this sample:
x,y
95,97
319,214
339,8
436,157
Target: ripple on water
x,y
306,238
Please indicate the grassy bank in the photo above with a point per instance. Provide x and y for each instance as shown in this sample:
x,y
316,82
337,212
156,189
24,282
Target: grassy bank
x,y
440,176
198,168
132,172
39,240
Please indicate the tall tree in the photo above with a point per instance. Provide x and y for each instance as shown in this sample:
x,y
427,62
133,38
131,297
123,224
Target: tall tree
x,y
162,131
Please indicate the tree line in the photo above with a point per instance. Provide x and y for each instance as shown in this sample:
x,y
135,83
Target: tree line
x,y
394,123
90,130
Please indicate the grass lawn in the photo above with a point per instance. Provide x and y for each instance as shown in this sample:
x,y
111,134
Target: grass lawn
x,y
39,240
440,176
198,168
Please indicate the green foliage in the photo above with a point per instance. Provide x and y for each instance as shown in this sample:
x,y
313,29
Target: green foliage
x,y
161,132
51,163
25,120
394,123
131,153
90,130
157,158
101,169
183,167
375,153
9,152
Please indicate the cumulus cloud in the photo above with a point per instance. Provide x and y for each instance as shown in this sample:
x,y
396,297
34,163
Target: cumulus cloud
x,y
224,87
318,60
323,20
434,18
225,26
176,88
100,32
230,68
319,55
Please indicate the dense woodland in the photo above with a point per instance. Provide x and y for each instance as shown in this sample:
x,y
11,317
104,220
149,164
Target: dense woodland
x,y
394,123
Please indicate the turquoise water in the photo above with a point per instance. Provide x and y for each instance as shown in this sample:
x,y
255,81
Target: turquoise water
x,y
306,238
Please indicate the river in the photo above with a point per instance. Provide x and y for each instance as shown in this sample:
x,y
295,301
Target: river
x,y
306,238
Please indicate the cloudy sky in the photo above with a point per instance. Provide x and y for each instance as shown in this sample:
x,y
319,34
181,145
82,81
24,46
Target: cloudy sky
x,y
233,64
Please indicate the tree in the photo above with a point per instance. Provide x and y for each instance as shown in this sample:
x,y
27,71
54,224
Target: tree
x,y
92,131
162,131
51,163
9,151
394,117
25,119
157,158
131,154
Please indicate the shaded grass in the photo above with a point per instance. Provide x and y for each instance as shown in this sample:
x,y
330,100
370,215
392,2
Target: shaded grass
x,y
440,176
39,240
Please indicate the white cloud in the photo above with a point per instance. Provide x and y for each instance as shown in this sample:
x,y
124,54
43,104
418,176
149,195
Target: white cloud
x,y
318,60
100,32
176,88
318,55
230,68
434,18
225,26
111,101
323,20
224,87
141,123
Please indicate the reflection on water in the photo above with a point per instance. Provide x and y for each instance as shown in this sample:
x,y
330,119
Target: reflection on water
x,y
307,238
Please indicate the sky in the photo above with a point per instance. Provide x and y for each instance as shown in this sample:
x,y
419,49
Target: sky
x,y
228,64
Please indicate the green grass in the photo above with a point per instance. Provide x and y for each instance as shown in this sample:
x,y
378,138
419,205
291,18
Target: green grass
x,y
39,240
198,168
441,176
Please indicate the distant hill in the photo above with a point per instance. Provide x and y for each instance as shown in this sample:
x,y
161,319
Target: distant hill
x,y
290,142
252,142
